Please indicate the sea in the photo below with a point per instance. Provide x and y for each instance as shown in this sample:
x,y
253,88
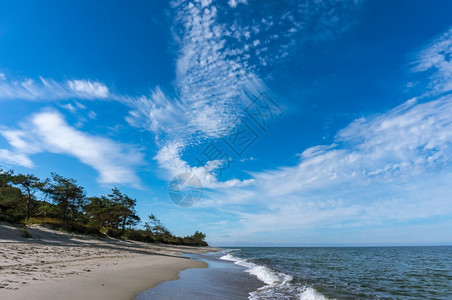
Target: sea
x,y
315,273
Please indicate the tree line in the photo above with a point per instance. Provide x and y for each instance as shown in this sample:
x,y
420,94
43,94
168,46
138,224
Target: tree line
x,y
61,203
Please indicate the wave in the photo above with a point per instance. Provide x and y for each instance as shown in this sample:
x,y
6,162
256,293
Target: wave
x,y
278,285
263,273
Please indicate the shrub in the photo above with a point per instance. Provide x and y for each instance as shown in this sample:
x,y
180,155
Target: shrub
x,y
138,236
25,234
9,219
113,233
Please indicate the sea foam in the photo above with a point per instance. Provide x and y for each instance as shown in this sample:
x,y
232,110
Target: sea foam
x,y
278,285
263,273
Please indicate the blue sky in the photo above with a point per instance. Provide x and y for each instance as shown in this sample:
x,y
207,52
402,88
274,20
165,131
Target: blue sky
x,y
306,122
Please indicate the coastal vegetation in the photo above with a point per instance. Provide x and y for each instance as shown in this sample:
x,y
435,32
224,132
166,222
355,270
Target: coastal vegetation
x,y
61,203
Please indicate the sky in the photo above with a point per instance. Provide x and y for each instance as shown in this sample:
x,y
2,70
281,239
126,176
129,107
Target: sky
x,y
296,123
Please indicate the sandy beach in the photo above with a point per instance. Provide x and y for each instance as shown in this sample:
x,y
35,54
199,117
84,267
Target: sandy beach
x,y
56,265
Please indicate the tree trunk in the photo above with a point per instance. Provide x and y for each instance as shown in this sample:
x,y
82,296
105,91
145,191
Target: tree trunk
x,y
28,204
124,225
65,205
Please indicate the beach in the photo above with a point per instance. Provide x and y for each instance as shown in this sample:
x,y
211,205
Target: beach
x,y
57,265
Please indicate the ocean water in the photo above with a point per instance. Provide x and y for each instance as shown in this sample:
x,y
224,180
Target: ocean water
x,y
315,273
348,272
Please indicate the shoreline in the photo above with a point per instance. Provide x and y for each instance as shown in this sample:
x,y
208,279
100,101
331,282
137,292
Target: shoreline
x,y
222,280
55,265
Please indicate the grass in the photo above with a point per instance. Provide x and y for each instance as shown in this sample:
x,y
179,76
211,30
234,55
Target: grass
x,y
50,221
57,224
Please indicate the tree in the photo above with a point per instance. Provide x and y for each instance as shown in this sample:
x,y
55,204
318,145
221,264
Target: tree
x,y
158,229
124,209
197,239
10,198
29,185
69,196
98,211
116,211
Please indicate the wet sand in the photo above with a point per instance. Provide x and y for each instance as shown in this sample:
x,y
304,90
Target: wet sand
x,y
222,280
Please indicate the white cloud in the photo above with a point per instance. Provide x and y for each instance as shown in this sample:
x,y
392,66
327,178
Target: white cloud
x,y
79,105
394,167
436,58
169,158
210,84
49,132
13,158
215,75
234,3
48,89
69,107
92,115
88,89
159,114
408,141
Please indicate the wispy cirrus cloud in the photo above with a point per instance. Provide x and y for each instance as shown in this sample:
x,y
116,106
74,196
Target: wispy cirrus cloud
x,y
48,89
391,168
436,58
88,89
220,54
14,158
49,132
388,168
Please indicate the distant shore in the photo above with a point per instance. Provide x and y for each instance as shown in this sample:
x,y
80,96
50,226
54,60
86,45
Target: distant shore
x,y
55,265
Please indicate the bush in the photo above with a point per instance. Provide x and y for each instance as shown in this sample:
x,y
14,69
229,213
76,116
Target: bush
x,y
138,236
25,234
56,224
9,219
113,233
77,228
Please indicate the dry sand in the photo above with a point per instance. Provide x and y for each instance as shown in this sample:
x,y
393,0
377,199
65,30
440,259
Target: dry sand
x,y
55,265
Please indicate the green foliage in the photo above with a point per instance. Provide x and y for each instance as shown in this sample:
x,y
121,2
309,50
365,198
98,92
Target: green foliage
x,y
8,218
69,197
113,233
46,210
81,229
138,235
115,211
99,211
29,186
11,198
46,220
157,229
197,239
113,214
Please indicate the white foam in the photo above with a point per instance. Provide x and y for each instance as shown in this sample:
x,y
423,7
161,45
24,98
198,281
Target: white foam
x,y
263,273
229,257
278,284
308,293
